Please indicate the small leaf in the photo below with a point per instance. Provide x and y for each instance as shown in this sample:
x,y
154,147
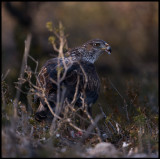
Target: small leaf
x,y
49,26
51,39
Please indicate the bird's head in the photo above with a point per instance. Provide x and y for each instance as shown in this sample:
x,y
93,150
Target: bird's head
x,y
90,51
97,46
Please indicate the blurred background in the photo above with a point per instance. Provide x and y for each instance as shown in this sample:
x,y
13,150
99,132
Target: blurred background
x,y
131,28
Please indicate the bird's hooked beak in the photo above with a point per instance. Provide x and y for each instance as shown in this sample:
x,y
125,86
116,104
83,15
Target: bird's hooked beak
x,y
107,48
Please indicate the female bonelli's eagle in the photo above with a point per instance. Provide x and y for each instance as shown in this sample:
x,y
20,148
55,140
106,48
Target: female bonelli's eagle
x,y
80,68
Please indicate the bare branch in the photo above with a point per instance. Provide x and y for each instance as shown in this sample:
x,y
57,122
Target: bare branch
x,y
124,101
24,64
55,47
91,127
76,92
35,62
3,77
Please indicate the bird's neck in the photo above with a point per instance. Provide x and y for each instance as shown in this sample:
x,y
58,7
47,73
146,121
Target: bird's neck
x,y
82,55
83,58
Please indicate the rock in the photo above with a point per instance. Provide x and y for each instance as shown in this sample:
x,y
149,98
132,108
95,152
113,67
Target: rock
x,y
103,149
143,155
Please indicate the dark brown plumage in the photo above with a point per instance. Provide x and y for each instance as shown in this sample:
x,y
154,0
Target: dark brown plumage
x,y
80,65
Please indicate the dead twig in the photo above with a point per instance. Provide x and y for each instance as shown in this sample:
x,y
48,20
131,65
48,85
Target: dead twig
x,y
6,74
23,66
124,101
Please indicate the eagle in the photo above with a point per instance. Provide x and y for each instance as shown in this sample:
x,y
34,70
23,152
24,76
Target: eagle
x,y
77,76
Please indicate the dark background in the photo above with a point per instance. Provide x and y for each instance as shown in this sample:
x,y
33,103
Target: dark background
x,y
131,28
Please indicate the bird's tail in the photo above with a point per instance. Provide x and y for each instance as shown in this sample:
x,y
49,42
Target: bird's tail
x,y
41,113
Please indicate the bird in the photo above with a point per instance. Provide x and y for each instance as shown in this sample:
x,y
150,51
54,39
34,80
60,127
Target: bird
x,y
77,75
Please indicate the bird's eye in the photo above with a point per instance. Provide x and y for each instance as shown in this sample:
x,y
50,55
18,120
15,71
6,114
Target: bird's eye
x,y
97,44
